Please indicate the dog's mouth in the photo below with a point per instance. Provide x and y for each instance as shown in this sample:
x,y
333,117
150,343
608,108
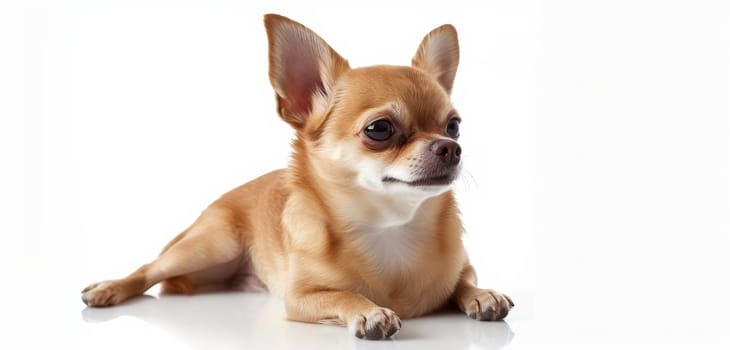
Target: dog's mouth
x,y
440,180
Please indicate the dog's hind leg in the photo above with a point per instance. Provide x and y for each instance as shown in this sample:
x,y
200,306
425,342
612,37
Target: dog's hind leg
x,y
200,254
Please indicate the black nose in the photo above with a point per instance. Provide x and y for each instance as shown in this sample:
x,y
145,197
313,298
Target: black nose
x,y
447,150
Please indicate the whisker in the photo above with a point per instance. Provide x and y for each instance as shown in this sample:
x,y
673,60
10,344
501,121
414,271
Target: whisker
x,y
468,180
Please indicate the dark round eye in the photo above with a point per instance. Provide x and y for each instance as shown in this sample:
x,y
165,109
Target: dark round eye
x,y
379,130
452,128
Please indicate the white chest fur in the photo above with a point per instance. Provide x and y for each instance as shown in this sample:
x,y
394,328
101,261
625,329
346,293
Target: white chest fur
x,y
393,249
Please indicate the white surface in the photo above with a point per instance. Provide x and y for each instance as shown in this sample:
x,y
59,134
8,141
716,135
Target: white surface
x,y
237,320
595,137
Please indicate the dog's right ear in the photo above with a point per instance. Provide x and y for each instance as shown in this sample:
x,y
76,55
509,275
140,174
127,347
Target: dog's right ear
x,y
302,68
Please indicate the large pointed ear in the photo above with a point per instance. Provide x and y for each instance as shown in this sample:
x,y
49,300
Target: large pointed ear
x,y
302,68
438,55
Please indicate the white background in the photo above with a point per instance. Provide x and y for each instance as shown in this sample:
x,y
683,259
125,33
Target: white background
x,y
595,136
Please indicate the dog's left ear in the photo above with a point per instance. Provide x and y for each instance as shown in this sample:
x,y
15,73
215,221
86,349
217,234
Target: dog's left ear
x,y
302,68
438,55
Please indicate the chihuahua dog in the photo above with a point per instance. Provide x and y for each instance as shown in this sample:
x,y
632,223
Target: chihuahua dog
x,y
362,228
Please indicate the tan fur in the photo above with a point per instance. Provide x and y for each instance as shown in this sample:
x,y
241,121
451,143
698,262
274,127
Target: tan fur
x,y
319,233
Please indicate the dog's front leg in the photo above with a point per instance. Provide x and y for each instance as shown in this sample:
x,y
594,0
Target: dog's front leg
x,y
480,304
363,318
319,289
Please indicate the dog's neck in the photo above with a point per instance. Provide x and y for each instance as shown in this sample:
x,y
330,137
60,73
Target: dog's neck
x,y
365,209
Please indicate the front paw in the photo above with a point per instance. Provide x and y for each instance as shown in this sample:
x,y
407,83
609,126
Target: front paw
x,y
489,305
375,324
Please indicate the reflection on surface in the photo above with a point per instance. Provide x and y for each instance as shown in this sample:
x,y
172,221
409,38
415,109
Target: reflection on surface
x,y
249,320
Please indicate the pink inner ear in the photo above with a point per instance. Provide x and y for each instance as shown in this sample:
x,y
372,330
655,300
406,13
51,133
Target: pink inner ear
x,y
300,79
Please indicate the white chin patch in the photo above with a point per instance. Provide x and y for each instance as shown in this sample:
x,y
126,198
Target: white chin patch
x,y
394,181
402,189
430,190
